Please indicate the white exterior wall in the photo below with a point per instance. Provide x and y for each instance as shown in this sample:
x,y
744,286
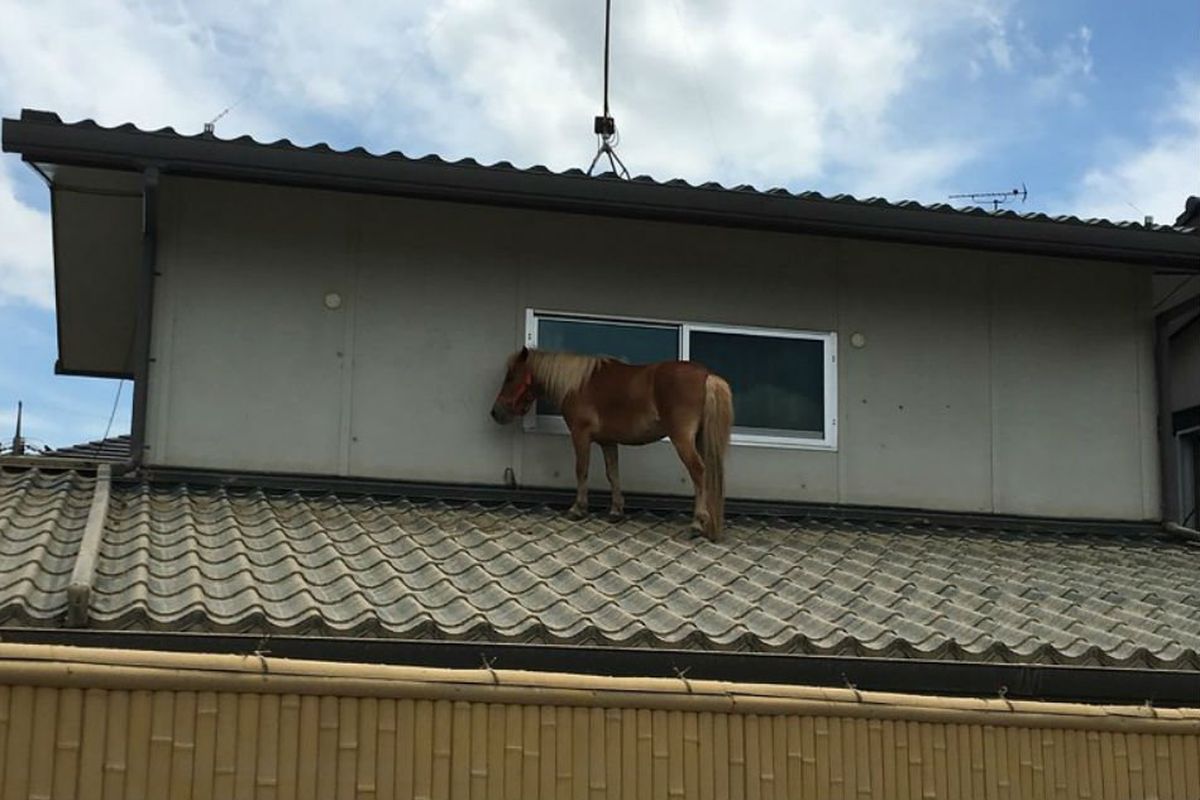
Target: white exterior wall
x,y
988,382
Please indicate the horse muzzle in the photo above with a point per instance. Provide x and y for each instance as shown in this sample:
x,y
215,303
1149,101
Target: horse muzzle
x,y
501,414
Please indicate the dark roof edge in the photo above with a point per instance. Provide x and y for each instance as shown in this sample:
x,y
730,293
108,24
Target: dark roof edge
x,y
1190,215
915,676
42,137
59,369
483,493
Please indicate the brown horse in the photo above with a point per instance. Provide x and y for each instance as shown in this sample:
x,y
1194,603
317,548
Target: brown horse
x,y
609,402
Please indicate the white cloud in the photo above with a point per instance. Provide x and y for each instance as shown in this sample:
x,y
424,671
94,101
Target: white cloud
x,y
1069,70
765,93
115,62
25,271
913,172
1048,75
1155,176
997,47
804,94
110,61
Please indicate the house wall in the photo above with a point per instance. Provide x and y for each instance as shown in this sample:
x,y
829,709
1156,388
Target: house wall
x,y
988,382
146,725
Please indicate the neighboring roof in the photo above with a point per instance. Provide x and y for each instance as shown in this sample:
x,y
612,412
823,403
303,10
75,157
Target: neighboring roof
x,y
41,137
114,448
1190,217
183,557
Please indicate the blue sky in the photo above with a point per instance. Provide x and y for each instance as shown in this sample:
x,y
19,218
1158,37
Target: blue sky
x,y
1094,105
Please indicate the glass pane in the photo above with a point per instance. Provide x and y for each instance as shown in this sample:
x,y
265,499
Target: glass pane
x,y
637,344
778,383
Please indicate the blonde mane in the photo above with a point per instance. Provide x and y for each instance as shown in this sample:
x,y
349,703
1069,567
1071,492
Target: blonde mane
x,y
562,373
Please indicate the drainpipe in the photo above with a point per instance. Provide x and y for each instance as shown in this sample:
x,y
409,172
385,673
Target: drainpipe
x,y
1168,496
1175,529
145,308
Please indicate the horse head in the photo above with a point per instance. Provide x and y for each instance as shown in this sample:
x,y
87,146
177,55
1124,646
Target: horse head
x,y
517,393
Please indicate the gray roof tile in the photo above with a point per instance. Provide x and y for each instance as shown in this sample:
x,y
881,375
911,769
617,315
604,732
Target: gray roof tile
x,y
180,557
42,515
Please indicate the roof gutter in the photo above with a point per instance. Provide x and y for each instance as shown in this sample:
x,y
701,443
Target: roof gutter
x,y
124,670
1150,687
41,137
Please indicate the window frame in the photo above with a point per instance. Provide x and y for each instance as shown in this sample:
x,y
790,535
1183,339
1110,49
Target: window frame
x,y
537,423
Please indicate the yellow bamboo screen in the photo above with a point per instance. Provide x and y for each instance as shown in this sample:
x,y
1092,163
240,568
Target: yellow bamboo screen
x,y
64,740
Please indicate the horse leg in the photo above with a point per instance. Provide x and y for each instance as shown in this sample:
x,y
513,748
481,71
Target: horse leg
x,y
685,446
617,510
582,440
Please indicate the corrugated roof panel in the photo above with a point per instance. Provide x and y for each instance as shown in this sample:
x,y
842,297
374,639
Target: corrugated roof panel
x,y
504,166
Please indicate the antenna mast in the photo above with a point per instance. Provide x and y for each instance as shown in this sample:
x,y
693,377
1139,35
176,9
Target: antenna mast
x,y
605,127
995,198
18,444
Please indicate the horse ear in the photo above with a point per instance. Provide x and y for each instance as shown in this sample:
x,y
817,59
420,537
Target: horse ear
x,y
524,354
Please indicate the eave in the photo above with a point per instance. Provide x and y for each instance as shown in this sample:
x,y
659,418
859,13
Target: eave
x,y
42,138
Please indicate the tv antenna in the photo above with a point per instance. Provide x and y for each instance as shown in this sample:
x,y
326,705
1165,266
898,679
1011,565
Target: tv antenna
x,y
211,126
605,127
997,199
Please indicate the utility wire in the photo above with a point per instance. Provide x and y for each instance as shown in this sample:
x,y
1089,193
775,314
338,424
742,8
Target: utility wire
x,y
121,384
404,69
112,414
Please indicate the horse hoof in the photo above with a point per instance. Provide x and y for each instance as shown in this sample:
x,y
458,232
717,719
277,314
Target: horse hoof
x,y
575,512
615,516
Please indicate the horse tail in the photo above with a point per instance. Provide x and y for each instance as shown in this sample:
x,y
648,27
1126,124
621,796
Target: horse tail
x,y
715,427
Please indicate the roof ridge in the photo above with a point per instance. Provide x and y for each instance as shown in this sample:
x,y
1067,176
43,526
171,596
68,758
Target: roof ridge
x,y
488,498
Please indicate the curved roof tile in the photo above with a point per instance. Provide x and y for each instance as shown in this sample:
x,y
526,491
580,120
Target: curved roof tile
x,y
292,563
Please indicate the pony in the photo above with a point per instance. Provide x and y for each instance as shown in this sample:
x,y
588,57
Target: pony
x,y
610,402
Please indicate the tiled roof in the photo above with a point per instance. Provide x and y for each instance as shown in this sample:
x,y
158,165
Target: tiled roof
x,y
500,167
114,448
42,516
196,558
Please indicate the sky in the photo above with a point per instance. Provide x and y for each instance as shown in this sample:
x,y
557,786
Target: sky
x,y
1094,105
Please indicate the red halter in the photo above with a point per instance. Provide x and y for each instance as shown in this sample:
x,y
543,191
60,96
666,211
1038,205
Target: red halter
x,y
523,397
